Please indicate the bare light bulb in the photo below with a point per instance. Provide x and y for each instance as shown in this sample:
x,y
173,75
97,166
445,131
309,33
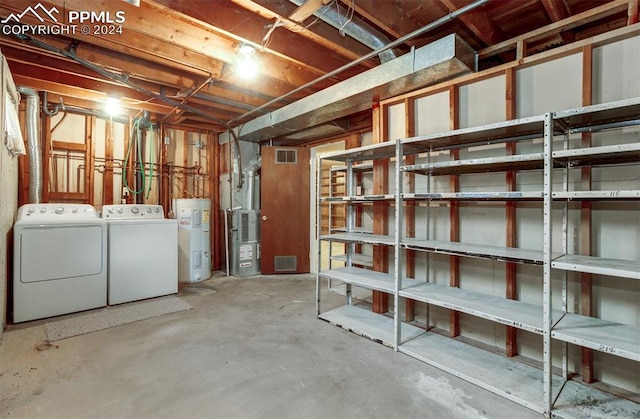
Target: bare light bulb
x,y
112,107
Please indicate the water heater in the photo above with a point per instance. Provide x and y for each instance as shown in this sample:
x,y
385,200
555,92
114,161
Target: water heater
x,y
194,239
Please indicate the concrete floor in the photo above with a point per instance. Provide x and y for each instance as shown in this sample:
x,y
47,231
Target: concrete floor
x,y
249,348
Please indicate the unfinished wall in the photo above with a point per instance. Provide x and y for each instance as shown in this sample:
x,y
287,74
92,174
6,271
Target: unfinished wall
x,y
8,189
548,85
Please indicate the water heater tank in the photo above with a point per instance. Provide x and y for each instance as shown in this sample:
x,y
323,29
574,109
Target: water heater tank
x,y
194,239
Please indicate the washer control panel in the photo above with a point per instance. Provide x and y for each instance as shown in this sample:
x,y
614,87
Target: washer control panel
x,y
132,211
50,211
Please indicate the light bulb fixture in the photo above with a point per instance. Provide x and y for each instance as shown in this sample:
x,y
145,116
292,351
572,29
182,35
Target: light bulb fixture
x,y
247,65
112,106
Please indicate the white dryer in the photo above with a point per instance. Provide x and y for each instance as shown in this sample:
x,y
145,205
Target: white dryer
x,y
60,261
143,252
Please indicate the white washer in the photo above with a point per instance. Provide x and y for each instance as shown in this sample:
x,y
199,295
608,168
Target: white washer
x,y
143,252
60,261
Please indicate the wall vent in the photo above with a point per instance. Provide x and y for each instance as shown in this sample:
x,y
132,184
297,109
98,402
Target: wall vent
x,y
285,263
286,156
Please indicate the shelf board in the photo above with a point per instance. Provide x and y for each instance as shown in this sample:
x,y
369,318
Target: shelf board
x,y
516,129
356,258
507,254
360,238
366,278
481,165
578,401
600,266
596,195
504,376
362,167
365,323
508,312
613,338
594,115
611,154
370,152
370,198
476,196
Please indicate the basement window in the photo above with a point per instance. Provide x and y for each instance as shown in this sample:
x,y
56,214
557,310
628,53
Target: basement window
x,y
286,156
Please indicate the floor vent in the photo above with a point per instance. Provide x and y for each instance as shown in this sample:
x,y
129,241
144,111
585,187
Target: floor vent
x,y
285,263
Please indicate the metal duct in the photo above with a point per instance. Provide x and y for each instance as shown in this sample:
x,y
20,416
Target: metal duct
x,y
251,174
438,61
33,140
366,36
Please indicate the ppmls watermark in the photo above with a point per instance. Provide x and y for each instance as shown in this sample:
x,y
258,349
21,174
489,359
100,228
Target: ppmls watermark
x,y
77,21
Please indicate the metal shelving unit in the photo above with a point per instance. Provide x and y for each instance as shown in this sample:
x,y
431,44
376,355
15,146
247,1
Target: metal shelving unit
x,y
617,339
547,388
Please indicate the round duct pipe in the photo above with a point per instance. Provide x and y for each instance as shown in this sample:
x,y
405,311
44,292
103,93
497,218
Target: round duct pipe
x,y
33,141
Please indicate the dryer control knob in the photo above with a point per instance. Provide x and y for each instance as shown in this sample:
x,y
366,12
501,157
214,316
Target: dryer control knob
x,y
149,210
74,210
59,210
31,210
110,210
119,210
157,209
135,210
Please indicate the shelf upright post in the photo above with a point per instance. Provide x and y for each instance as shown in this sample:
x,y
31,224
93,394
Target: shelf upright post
x,y
565,250
319,230
547,246
350,219
399,214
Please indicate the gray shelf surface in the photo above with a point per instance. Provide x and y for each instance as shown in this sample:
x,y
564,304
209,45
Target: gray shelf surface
x,y
610,154
514,313
356,258
593,115
361,167
600,266
597,195
365,278
370,152
602,335
365,323
360,238
508,254
524,128
476,196
504,376
578,401
359,198
480,165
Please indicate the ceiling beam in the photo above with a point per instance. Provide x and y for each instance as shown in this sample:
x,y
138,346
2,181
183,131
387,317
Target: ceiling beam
x,y
235,21
308,8
328,38
478,22
556,10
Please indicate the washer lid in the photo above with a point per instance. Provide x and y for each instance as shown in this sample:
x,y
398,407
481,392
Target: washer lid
x,y
52,212
132,211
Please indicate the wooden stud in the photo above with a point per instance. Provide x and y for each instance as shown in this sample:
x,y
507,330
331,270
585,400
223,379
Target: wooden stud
x,y
380,209
454,211
632,12
89,158
107,178
410,207
46,157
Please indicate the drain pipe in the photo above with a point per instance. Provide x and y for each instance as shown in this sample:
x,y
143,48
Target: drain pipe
x,y
33,140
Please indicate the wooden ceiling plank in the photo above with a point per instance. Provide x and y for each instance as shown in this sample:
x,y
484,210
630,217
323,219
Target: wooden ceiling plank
x,y
597,13
388,16
235,22
480,24
558,11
